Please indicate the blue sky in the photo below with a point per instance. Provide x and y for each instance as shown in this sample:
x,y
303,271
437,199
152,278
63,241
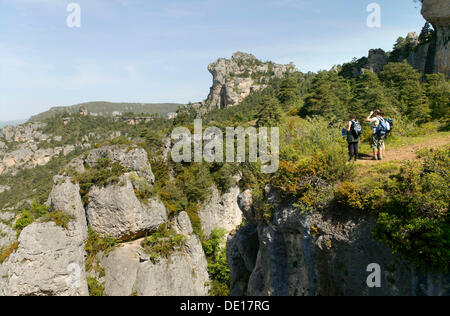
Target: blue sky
x,y
158,50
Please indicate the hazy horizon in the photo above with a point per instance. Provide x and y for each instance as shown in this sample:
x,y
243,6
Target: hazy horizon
x,y
158,51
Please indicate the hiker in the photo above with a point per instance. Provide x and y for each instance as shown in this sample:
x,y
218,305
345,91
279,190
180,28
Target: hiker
x,y
378,125
383,148
354,132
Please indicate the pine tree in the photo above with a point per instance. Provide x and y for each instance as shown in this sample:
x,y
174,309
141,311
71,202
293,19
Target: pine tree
x,y
269,113
289,93
369,94
427,33
329,96
437,90
404,83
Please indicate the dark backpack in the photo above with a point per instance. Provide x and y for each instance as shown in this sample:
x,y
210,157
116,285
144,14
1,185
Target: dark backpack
x,y
382,127
356,128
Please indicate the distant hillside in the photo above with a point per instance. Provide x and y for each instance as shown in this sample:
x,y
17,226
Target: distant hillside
x,y
11,123
108,108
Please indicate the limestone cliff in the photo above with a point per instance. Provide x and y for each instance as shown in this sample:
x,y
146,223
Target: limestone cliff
x,y
322,253
437,12
235,78
48,259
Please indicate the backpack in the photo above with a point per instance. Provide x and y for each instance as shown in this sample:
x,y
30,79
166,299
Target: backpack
x,y
356,129
390,125
382,127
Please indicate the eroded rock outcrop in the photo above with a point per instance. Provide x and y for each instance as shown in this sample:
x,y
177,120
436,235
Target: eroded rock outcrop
x,y
49,259
437,12
221,211
129,271
131,158
235,78
115,211
323,253
377,60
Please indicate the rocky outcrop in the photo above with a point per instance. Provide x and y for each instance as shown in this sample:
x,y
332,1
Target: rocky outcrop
x,y
377,60
7,235
49,259
221,211
235,78
129,271
418,57
324,253
25,133
437,12
133,159
28,156
115,211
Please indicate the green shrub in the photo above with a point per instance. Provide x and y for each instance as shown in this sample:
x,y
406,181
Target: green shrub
x,y
96,244
218,269
411,208
103,173
24,220
29,216
162,243
59,218
95,288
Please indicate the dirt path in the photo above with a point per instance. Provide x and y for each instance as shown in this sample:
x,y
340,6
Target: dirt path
x,y
408,152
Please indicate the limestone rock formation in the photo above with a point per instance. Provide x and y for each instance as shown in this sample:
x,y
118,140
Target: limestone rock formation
x,y
235,78
437,12
376,60
133,159
49,259
221,212
324,253
7,235
24,133
128,271
115,211
418,58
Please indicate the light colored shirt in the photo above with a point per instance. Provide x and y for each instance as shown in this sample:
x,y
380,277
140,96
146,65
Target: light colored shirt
x,y
375,122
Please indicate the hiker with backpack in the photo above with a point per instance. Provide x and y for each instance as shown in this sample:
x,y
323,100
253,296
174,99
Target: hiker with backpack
x,y
354,132
379,129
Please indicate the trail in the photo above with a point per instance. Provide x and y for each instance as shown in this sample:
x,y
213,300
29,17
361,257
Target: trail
x,y
407,153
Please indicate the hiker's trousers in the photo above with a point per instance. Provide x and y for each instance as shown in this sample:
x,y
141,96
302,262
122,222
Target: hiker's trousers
x,y
353,150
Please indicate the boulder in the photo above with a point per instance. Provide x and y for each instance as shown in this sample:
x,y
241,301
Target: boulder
x,y
115,211
49,259
128,271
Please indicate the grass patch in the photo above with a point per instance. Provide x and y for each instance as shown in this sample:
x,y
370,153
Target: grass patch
x,y
5,252
95,287
59,218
